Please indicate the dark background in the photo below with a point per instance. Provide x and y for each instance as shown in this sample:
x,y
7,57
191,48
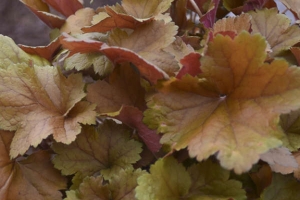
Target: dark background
x,y
19,23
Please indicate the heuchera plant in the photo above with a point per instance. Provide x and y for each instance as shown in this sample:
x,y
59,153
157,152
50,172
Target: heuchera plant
x,y
153,100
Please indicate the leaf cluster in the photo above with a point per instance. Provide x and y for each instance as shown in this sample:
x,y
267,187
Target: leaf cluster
x,y
153,100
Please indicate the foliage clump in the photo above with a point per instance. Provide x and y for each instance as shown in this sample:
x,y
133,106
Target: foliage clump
x,y
153,100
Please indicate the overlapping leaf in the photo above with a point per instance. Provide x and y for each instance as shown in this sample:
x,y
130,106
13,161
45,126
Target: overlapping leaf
x,y
10,53
120,187
170,180
33,177
291,126
282,187
107,149
278,32
234,109
44,103
41,9
147,41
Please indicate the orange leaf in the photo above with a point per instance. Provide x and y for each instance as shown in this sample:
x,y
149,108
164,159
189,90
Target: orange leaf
x,y
46,52
233,109
40,9
66,7
33,177
44,102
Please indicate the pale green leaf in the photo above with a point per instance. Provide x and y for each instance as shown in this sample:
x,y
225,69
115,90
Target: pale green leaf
x,y
10,53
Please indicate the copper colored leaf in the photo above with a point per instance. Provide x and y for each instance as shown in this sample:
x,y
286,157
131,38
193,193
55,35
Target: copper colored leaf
x,y
46,52
278,32
262,178
107,149
33,177
79,45
142,9
148,70
236,24
133,117
81,18
115,20
122,88
67,7
44,103
10,53
191,65
233,109
115,54
40,9
147,41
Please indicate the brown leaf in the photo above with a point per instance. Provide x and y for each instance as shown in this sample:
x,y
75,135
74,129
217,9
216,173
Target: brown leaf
x,y
66,7
122,88
41,10
81,18
33,177
115,20
133,117
46,52
44,102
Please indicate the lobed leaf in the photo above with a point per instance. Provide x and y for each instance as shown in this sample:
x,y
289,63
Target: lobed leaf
x,y
33,177
10,53
120,187
45,103
170,180
233,110
106,149
279,34
282,187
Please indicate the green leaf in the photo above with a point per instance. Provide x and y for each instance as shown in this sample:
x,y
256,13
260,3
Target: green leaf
x,y
120,186
107,149
99,62
10,53
169,180
282,187
233,109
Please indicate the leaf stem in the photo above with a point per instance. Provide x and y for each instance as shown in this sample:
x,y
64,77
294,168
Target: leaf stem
x,y
196,8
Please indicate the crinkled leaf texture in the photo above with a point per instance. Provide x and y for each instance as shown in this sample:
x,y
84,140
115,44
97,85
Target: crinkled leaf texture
x,y
119,187
233,109
278,32
169,180
107,149
10,53
41,101
33,177
282,187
